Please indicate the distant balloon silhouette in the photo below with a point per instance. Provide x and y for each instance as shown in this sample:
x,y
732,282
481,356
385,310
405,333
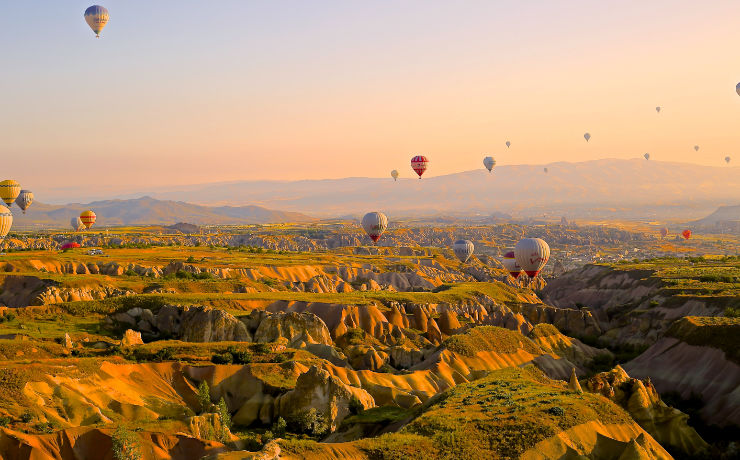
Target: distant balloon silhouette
x,y
545,169
696,148
727,160
737,88
647,156
489,163
587,136
657,109
394,175
508,144
24,200
663,232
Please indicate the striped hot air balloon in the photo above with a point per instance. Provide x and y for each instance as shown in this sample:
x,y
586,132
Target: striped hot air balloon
x,y
374,224
532,254
9,191
88,218
510,264
24,200
6,221
419,164
463,249
96,17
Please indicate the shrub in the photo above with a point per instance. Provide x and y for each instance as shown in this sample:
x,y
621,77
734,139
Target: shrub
x,y
4,421
310,421
165,354
125,444
26,417
225,416
355,406
731,312
279,427
204,396
222,358
556,410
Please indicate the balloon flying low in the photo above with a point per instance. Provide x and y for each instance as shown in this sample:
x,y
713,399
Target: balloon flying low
x,y
88,218
463,250
647,156
374,224
686,234
510,264
489,163
76,224
532,254
587,136
6,221
24,200
508,144
419,164
9,191
394,174
96,17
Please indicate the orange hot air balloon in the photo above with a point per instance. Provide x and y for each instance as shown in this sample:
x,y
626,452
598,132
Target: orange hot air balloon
x,y
88,218
686,234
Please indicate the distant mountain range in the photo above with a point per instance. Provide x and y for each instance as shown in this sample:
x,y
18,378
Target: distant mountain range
x,y
608,188
149,211
722,214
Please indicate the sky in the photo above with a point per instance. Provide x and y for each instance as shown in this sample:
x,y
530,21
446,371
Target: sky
x,y
195,91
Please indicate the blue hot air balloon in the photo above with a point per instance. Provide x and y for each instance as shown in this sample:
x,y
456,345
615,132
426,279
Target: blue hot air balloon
x,y
96,17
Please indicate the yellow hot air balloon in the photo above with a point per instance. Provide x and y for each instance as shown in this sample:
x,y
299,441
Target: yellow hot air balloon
x,y
6,221
9,191
88,218
96,17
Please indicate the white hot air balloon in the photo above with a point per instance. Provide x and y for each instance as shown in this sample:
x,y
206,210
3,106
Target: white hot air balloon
x,y
647,156
696,148
532,254
394,174
463,250
76,223
6,221
489,163
587,136
24,200
727,160
508,144
510,264
374,224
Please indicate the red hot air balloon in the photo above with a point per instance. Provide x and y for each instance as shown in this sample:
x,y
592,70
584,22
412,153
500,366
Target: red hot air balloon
x,y
419,164
686,234
70,246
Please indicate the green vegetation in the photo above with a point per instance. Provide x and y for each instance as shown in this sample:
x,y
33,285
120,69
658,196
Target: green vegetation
x,y
204,397
489,338
126,445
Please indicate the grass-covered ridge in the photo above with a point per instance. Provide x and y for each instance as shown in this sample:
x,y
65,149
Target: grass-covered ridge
x,y
490,338
709,331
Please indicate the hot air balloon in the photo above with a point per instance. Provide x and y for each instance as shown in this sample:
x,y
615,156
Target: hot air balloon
x,y
463,250
727,159
663,232
419,164
696,148
545,169
587,136
686,234
6,221
88,218
508,144
489,163
9,191
374,224
76,223
532,254
647,156
72,245
510,264
96,17
657,109
394,174
737,88
24,200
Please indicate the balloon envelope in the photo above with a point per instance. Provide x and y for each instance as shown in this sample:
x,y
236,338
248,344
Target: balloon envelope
x,y
510,264
489,163
532,254
419,164
88,218
508,144
657,109
374,224
96,17
6,221
24,200
545,169
727,159
647,156
394,174
9,191
686,234
663,232
66,246
587,136
696,148
463,250
737,88
76,223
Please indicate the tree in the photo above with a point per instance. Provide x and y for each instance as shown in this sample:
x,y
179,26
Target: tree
x,y
223,414
204,396
125,444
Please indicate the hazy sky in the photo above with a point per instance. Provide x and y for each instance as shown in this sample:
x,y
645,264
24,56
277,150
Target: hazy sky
x,y
190,91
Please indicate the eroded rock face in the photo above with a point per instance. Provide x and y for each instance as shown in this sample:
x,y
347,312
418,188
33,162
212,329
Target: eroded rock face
x,y
131,338
203,324
300,329
319,390
667,425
